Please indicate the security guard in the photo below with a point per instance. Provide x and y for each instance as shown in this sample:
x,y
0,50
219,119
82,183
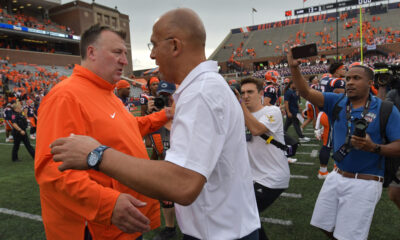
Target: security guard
x,y
20,123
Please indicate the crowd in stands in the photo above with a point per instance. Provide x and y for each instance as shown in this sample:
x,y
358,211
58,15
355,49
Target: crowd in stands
x,y
313,68
22,20
372,33
16,82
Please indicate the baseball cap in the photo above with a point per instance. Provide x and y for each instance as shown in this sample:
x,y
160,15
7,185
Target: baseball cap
x,y
122,84
166,87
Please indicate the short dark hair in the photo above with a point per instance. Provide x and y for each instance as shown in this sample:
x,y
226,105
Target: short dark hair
x,y
255,81
311,78
92,34
370,73
334,66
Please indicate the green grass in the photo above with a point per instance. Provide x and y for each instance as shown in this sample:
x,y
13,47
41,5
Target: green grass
x,y
19,191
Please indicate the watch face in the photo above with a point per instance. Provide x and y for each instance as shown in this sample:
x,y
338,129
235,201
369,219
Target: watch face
x,y
93,159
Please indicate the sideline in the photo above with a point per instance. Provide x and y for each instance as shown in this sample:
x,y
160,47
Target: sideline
x,y
21,214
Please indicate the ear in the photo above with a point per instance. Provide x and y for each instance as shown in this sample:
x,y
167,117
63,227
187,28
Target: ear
x,y
177,47
90,52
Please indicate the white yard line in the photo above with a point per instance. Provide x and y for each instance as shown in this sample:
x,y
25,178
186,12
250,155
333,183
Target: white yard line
x,y
21,214
291,195
276,221
304,163
299,176
309,144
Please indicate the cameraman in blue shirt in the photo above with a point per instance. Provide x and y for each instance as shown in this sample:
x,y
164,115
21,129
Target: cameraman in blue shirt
x,y
346,202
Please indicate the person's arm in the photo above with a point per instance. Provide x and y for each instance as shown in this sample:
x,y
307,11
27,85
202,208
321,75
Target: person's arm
x,y
16,127
153,122
255,127
315,97
288,113
366,144
75,190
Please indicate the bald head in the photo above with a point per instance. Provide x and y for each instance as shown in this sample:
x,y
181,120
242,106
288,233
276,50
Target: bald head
x,y
184,23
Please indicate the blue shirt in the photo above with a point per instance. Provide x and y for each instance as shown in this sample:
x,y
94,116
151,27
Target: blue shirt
x,y
358,161
292,98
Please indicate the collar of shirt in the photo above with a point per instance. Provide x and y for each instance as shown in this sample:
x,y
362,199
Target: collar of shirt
x,y
206,66
92,77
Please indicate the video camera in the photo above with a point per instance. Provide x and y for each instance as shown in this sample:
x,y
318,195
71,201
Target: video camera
x,y
387,75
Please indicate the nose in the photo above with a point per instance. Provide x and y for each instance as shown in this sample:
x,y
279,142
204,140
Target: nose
x,y
124,60
152,55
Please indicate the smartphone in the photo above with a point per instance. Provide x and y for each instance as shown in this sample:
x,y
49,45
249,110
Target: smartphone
x,y
305,51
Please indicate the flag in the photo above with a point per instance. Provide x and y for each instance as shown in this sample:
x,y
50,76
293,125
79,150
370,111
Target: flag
x,y
254,10
304,1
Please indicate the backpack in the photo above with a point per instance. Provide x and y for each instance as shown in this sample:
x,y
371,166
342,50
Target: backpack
x,y
391,164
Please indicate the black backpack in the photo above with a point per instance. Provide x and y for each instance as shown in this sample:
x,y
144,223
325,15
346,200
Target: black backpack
x,y
391,164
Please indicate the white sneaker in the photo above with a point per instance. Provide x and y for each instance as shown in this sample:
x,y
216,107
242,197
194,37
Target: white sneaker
x,y
322,175
7,140
292,160
33,137
304,139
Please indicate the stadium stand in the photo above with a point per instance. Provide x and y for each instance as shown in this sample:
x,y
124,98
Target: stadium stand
x,y
268,43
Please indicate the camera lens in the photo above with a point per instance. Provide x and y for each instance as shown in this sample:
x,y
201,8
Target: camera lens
x,y
159,102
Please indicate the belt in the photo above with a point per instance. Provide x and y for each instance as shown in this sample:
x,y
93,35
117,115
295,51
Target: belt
x,y
359,175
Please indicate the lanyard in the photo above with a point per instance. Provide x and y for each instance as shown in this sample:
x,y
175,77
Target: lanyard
x,y
348,116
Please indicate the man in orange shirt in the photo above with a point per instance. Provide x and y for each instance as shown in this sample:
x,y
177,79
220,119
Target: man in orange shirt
x,y
89,204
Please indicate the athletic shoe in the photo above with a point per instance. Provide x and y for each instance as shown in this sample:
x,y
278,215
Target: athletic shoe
x,y
165,234
304,139
292,160
7,140
32,137
322,175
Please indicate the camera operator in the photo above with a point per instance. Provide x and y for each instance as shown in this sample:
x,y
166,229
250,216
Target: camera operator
x,y
384,83
348,197
164,99
269,165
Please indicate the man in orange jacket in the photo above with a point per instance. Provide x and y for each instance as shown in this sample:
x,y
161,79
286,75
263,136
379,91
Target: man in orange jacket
x,y
89,204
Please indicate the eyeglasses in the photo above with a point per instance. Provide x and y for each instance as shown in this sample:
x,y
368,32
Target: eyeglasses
x,y
150,45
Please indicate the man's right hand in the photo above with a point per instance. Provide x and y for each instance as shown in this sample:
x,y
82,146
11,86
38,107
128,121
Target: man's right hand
x,y
292,62
127,217
150,105
289,115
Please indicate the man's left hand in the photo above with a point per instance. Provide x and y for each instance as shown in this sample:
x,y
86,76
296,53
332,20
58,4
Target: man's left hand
x,y
73,151
361,143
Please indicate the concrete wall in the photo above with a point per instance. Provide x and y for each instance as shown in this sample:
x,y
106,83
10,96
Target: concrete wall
x,y
39,57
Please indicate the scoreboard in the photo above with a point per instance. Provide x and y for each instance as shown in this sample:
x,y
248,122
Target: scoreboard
x,y
329,6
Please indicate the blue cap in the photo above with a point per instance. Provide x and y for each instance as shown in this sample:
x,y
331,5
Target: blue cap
x,y
166,87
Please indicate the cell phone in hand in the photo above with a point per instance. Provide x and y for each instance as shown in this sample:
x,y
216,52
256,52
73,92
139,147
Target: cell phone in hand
x,y
305,51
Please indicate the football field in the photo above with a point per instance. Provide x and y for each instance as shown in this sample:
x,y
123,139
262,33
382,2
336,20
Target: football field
x,y
288,218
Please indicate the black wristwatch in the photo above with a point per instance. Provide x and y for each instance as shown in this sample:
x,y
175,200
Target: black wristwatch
x,y
94,157
377,148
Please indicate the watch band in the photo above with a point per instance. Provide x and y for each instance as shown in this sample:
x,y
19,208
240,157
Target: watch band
x,y
100,150
377,148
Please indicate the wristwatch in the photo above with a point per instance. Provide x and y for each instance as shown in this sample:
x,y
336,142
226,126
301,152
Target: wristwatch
x,y
94,157
377,148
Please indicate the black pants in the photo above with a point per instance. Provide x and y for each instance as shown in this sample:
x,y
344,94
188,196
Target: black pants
x,y
265,197
296,125
18,138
